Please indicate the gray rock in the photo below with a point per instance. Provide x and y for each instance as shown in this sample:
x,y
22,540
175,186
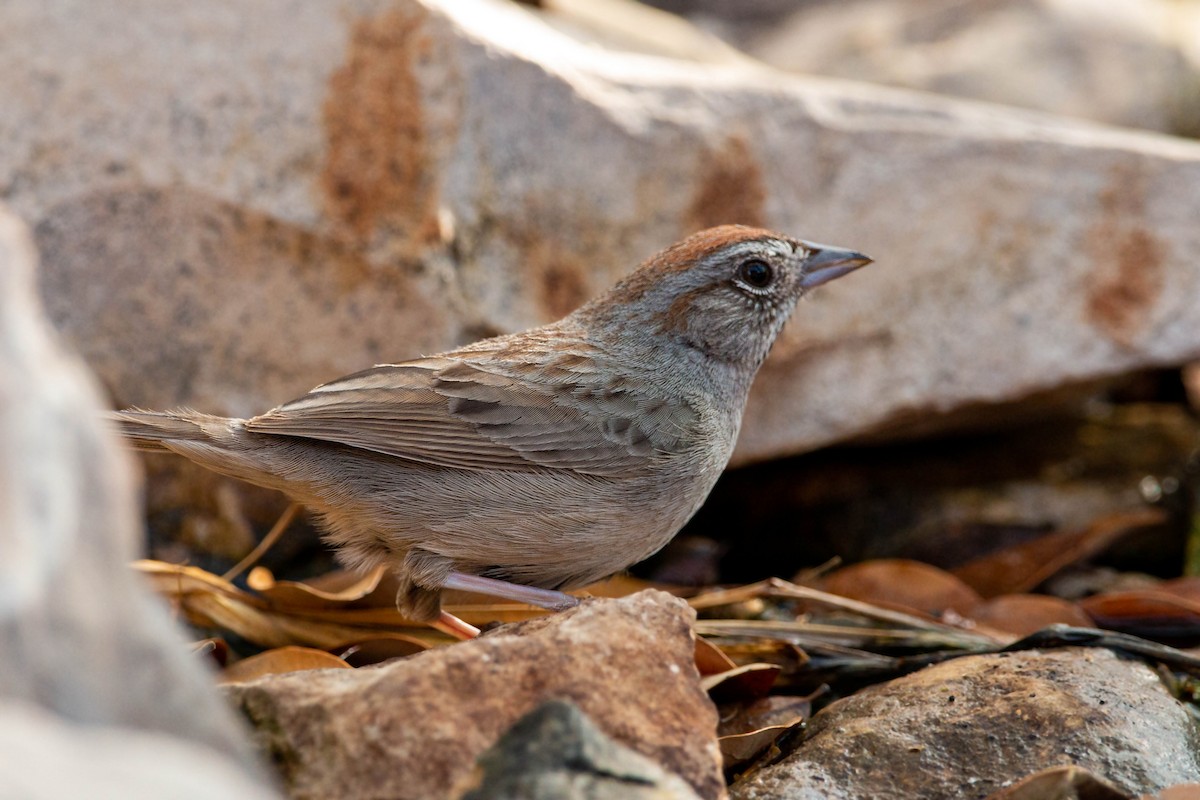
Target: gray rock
x,y
556,753
966,728
635,27
304,189
82,642
45,757
412,728
1123,62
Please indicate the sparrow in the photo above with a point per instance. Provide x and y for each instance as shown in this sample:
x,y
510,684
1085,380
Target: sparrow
x,y
528,464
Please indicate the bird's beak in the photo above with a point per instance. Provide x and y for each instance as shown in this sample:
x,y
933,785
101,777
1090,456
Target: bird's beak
x,y
824,263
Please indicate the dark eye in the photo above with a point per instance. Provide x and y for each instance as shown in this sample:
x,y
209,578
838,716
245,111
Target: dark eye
x,y
756,273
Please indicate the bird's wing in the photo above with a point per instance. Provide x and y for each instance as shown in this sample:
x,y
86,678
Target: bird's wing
x,y
451,413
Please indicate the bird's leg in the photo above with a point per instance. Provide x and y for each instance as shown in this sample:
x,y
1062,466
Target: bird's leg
x,y
542,598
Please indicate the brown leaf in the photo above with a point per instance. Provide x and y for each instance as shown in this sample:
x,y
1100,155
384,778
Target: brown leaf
x,y
208,600
741,684
1186,588
1060,783
338,589
278,661
1149,613
1018,569
623,585
904,583
785,655
213,602
765,712
739,748
749,730
381,648
710,659
1022,614
1184,791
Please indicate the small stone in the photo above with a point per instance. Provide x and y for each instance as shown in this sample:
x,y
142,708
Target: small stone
x,y
556,753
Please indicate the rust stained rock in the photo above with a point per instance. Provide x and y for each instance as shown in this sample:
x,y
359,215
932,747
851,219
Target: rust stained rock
x,y
730,189
376,171
1129,261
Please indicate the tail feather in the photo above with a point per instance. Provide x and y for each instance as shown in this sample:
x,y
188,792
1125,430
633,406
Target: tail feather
x,y
218,443
148,430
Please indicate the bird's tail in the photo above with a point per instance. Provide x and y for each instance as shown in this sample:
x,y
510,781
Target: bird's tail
x,y
218,443
149,430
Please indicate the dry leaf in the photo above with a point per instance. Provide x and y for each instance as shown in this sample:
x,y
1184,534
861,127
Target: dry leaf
x,y
741,684
279,661
739,748
624,585
211,601
766,712
710,659
339,589
1184,791
1018,569
747,732
1022,614
785,655
1150,614
1186,588
381,648
901,582
1060,783
332,611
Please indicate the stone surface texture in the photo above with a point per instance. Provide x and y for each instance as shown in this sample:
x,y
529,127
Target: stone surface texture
x,y
556,753
1123,62
237,202
966,728
45,757
413,728
83,644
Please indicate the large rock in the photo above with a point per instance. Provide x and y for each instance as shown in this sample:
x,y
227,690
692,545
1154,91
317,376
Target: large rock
x,y
1123,62
44,757
413,728
968,727
83,644
635,27
240,201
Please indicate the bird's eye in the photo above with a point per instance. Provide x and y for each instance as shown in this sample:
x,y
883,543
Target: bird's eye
x,y
756,273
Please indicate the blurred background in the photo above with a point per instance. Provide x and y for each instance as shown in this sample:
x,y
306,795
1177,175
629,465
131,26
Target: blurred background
x,y
1127,62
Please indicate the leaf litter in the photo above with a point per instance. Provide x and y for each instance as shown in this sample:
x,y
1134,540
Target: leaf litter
x,y
768,652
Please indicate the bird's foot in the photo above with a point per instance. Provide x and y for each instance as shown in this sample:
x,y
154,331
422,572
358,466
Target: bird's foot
x,y
449,624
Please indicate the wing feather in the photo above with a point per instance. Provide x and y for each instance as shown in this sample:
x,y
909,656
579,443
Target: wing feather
x,y
450,412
